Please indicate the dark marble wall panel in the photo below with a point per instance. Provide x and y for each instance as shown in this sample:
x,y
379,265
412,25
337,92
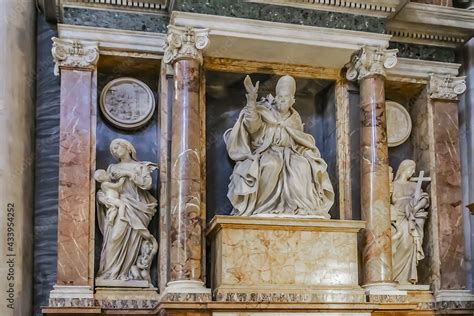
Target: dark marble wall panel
x,y
225,97
329,148
116,19
354,143
46,167
426,52
283,14
145,140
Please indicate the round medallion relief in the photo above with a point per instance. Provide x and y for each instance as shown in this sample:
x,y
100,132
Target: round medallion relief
x,y
127,103
398,123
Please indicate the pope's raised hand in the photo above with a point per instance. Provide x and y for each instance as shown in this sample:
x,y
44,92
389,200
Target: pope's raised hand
x,y
252,91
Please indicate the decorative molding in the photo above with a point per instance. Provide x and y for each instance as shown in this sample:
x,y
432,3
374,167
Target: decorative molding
x,y
446,87
289,44
142,5
418,70
370,61
74,54
431,24
111,40
185,43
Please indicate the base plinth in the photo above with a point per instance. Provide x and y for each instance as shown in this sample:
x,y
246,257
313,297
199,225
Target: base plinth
x,y
262,259
71,296
186,291
126,298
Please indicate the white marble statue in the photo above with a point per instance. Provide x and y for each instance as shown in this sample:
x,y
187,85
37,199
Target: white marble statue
x,y
408,213
125,208
278,168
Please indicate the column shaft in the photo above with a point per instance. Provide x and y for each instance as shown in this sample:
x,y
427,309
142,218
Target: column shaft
x,y
448,201
74,177
375,192
186,223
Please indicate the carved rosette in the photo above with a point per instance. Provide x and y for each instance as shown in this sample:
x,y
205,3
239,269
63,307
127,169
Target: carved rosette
x,y
185,43
446,87
74,54
370,61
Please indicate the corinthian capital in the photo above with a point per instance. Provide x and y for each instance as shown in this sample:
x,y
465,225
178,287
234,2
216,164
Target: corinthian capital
x,y
446,87
74,54
185,43
370,61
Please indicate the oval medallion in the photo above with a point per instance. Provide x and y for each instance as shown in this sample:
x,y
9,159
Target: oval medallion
x,y
127,103
398,123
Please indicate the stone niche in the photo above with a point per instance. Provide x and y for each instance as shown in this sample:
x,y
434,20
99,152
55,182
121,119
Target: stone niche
x,y
258,259
146,140
225,97
268,259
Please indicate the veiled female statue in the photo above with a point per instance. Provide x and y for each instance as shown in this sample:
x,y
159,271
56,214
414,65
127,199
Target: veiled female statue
x,y
125,208
408,218
278,168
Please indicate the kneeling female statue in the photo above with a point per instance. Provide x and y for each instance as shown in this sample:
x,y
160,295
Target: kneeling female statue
x,y
125,208
278,168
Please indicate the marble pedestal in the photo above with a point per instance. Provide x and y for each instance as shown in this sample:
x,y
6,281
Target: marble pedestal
x,y
284,259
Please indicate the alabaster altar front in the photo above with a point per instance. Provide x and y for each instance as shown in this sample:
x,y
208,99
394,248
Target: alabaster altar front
x,y
257,259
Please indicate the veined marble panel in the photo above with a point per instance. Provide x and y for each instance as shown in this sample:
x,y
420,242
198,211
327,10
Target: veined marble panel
x,y
285,259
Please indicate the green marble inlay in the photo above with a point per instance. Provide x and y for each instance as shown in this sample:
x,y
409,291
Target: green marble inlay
x,y
116,19
426,52
274,13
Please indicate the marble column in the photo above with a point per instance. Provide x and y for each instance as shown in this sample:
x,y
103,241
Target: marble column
x,y
75,63
17,114
368,67
446,186
186,225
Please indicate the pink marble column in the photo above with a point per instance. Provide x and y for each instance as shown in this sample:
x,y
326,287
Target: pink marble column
x,y
374,181
186,211
368,67
446,181
186,224
75,62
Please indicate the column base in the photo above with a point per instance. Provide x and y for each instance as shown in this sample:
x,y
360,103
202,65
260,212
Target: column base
x,y
186,291
71,296
455,300
384,293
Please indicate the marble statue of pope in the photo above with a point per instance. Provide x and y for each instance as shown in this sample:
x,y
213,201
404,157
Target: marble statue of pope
x,y
278,168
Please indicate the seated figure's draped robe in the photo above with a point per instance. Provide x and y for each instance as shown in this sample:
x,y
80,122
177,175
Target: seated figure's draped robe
x,y
278,169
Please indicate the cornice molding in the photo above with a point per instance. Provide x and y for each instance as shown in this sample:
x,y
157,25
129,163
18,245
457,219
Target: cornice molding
x,y
370,61
72,53
185,43
446,87
431,24
419,71
279,42
113,41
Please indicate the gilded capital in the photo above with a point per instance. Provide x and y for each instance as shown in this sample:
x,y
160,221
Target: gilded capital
x,y
446,87
370,61
74,54
185,43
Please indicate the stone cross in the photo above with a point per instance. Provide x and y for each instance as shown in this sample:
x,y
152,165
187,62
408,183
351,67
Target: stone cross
x,y
419,180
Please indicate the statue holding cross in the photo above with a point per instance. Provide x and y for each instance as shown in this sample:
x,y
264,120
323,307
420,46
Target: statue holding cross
x,y
408,208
